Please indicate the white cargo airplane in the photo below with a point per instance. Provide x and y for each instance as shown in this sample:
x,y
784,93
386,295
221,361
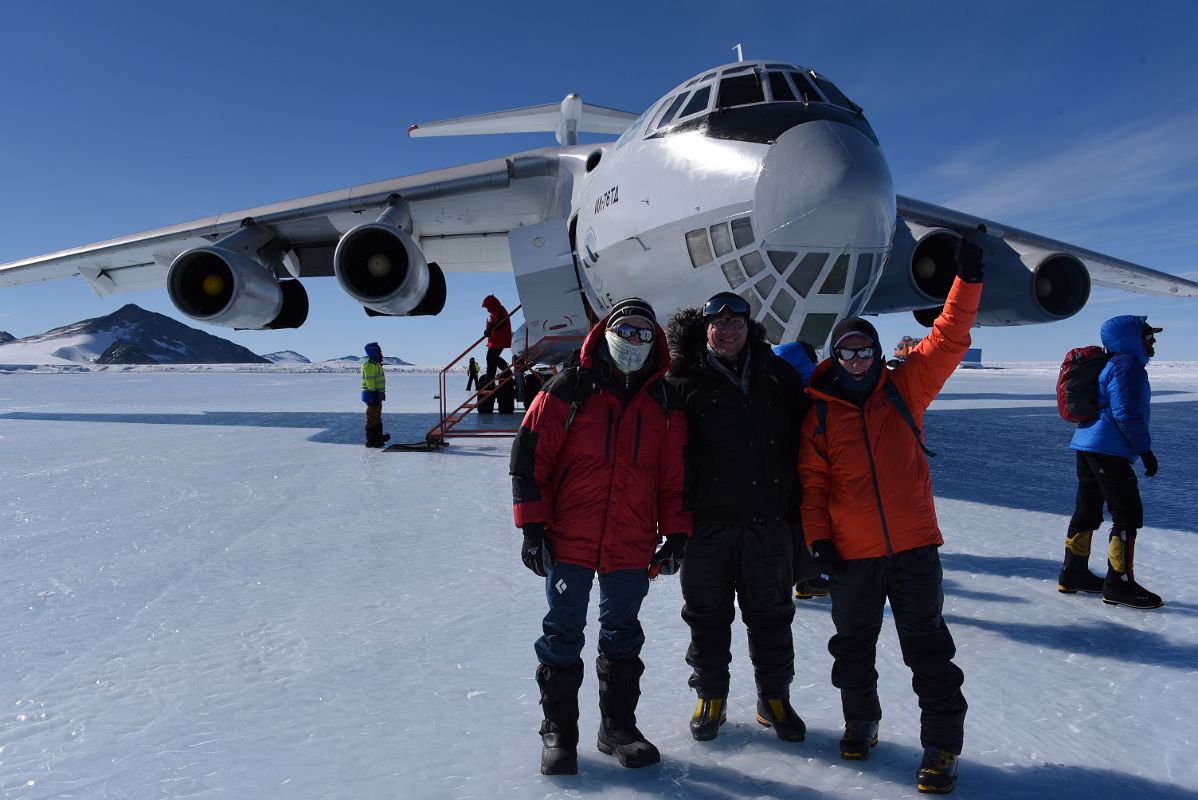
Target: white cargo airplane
x,y
757,177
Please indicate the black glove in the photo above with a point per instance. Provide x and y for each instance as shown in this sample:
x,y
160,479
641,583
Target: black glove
x,y
969,261
1149,463
535,549
827,556
668,559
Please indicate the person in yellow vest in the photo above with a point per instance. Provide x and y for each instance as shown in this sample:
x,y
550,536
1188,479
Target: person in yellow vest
x,y
374,392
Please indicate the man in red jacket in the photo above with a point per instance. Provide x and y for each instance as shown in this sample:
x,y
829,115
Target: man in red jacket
x,y
868,516
597,474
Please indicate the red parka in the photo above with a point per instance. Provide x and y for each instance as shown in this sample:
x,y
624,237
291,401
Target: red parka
x,y
499,326
866,483
606,478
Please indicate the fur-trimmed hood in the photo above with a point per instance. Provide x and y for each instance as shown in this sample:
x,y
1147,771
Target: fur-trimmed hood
x,y
686,334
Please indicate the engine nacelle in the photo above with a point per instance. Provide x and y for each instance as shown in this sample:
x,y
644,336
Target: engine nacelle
x,y
919,272
220,286
380,266
1032,288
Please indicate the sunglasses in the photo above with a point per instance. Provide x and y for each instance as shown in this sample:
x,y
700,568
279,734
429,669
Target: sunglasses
x,y
726,302
735,323
632,333
849,353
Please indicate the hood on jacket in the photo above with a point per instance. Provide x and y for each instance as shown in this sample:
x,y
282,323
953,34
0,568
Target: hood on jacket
x,y
686,333
492,304
1124,334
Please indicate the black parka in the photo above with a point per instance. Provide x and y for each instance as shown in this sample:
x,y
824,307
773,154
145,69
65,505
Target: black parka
x,y
742,453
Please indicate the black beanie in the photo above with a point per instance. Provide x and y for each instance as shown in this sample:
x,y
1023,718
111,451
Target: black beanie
x,y
631,307
854,325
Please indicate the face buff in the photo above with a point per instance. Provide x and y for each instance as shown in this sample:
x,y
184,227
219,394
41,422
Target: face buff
x,y
627,357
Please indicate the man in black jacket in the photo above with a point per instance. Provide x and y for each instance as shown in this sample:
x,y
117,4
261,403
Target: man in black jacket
x,y
744,408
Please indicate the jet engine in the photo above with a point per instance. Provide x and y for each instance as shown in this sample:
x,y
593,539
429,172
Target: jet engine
x,y
379,265
228,283
919,272
1033,287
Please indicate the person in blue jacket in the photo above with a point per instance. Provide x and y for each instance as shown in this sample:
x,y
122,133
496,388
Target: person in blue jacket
x,y
1106,448
800,355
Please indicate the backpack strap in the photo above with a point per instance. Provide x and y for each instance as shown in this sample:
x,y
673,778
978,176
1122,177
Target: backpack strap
x,y
821,425
896,400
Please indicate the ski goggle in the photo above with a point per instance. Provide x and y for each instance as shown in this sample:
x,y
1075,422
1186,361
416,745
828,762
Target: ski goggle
x,y
849,353
632,333
726,303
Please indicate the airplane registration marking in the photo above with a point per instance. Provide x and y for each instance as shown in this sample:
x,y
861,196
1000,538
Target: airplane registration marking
x,y
608,198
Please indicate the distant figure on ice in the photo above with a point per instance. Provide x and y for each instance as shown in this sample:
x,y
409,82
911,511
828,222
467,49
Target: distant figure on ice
x,y
374,392
1106,448
472,374
868,515
597,472
744,407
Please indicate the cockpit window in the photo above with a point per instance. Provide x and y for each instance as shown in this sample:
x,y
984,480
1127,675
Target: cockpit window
x,y
698,102
740,90
779,88
735,70
805,88
671,110
835,95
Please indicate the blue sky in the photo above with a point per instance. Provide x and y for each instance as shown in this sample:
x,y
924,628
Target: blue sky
x,y
1074,120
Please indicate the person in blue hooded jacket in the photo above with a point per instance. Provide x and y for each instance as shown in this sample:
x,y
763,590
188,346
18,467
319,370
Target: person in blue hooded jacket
x,y
1106,448
374,392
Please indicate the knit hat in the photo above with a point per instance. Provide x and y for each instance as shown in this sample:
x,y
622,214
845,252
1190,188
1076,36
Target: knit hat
x,y
631,307
854,325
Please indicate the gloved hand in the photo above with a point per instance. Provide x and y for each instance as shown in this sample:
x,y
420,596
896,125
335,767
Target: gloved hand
x,y
969,261
827,556
1150,464
668,559
535,548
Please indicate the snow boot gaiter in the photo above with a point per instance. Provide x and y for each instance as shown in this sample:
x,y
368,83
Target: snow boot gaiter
x,y
1120,588
1075,572
619,692
559,730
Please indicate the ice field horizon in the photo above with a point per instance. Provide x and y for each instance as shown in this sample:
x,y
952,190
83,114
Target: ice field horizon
x,y
211,589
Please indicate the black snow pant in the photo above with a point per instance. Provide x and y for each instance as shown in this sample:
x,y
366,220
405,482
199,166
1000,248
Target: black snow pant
x,y
911,580
728,564
1110,479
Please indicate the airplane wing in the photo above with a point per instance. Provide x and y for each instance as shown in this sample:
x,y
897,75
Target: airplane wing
x,y
1104,270
460,217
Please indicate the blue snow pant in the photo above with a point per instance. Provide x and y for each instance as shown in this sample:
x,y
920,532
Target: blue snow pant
x,y
568,590
911,580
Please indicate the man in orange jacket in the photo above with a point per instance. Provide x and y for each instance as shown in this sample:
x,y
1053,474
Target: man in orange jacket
x,y
868,516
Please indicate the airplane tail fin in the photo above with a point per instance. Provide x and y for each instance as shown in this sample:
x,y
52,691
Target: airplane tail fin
x,y
567,119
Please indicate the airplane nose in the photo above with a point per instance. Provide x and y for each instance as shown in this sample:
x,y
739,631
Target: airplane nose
x,y
827,185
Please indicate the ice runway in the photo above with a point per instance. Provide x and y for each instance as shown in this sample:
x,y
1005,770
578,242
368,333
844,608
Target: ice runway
x,y
211,589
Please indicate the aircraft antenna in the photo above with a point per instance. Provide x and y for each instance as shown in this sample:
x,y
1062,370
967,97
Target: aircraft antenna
x,y
740,56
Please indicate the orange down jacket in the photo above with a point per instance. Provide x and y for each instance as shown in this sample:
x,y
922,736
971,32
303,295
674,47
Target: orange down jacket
x,y
866,483
610,481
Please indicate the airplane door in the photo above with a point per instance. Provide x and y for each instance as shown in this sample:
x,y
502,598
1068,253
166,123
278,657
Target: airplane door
x,y
543,265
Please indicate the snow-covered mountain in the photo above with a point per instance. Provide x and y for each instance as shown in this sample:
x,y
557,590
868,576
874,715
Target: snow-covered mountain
x,y
390,361
6,337
129,335
287,357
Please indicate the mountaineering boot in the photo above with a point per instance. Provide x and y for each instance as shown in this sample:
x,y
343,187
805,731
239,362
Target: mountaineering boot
x,y
559,730
937,771
859,737
708,717
1120,588
619,692
777,712
1075,572
375,436
808,588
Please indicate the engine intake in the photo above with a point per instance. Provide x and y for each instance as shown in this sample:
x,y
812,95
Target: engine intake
x,y
919,272
380,266
220,286
1032,288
